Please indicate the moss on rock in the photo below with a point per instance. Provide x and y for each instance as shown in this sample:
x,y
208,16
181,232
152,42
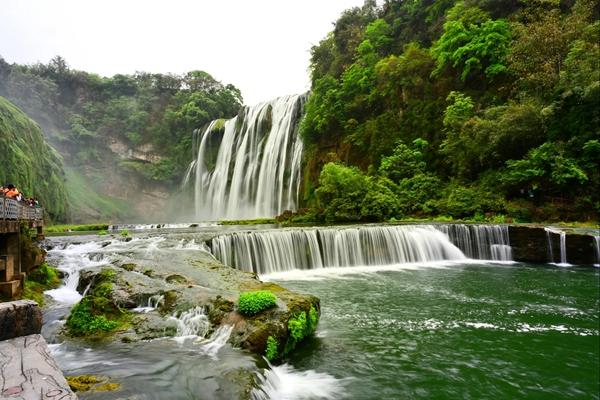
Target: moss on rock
x,y
97,314
39,280
91,383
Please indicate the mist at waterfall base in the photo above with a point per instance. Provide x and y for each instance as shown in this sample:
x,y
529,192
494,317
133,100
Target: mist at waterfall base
x,y
449,328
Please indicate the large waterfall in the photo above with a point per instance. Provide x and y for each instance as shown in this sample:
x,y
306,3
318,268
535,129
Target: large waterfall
x,y
265,252
249,166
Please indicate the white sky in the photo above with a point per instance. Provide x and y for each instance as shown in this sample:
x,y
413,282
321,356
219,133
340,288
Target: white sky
x,y
260,46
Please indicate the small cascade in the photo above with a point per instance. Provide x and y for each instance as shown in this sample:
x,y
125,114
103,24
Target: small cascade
x,y
284,382
191,323
152,304
249,166
217,340
482,242
597,249
71,260
563,246
266,252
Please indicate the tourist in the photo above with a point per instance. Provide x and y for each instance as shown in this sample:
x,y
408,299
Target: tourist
x,y
12,192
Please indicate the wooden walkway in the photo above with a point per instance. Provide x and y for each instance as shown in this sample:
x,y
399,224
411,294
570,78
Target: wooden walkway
x,y
14,215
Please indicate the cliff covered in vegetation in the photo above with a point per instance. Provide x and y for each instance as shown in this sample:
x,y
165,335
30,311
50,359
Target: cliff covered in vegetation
x,y
466,109
28,162
126,139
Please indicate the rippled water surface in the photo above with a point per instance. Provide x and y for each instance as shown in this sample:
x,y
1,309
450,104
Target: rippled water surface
x,y
461,331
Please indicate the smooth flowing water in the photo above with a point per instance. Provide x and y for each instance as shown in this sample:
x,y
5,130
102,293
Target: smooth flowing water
x,y
463,331
281,250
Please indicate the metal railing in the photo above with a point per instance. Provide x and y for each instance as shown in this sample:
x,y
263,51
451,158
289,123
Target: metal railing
x,y
10,209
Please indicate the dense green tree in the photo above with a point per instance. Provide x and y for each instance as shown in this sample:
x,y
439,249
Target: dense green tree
x,y
482,82
472,42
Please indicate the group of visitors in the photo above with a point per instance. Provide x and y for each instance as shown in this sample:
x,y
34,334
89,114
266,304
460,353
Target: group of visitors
x,y
9,190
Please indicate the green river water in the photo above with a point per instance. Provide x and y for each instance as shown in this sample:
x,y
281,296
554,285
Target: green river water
x,y
462,331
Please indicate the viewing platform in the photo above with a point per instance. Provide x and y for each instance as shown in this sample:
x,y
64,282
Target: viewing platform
x,y
13,215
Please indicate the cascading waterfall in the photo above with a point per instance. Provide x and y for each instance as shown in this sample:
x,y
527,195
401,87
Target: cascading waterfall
x,y
597,249
249,166
71,260
266,252
217,340
483,242
191,323
152,304
563,246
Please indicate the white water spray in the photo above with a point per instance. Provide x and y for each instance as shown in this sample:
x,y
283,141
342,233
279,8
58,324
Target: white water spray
x,y
71,260
152,304
217,340
283,382
191,323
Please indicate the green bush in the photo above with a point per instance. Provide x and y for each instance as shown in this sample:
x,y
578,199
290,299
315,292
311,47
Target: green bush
x,y
416,193
271,351
297,326
300,326
44,275
463,202
39,280
251,303
82,320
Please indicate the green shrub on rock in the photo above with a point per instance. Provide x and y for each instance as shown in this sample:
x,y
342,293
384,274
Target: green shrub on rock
x,y
300,326
271,352
251,303
82,320
97,313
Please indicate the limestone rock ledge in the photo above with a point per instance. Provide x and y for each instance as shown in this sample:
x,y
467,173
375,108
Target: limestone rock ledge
x,y
201,283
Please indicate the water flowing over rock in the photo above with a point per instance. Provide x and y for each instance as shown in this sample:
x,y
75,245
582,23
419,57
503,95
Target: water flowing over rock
x,y
597,250
249,166
275,251
483,242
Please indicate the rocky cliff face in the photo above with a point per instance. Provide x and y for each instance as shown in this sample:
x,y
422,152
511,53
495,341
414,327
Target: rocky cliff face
x,y
531,244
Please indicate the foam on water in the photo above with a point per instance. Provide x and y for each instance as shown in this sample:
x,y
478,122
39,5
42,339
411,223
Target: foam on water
x,y
71,260
217,340
283,382
343,272
191,324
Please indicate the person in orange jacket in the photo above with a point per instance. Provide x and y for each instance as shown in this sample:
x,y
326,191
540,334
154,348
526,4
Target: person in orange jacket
x,y
13,192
